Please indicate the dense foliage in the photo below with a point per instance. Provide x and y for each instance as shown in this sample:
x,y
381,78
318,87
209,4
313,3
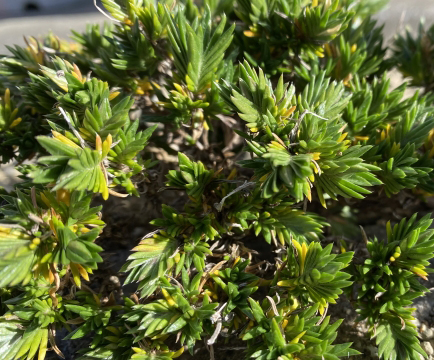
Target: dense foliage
x,y
236,117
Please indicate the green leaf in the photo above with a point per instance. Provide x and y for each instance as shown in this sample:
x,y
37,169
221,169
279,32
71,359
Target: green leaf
x,y
150,261
16,258
83,172
197,53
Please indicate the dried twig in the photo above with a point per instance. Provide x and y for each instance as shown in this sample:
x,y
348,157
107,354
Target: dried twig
x,y
219,206
76,133
106,15
293,133
217,319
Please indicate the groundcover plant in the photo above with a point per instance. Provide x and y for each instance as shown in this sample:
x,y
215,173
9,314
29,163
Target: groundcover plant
x,y
256,131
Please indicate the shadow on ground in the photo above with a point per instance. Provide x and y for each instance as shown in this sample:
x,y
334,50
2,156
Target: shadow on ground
x,y
34,10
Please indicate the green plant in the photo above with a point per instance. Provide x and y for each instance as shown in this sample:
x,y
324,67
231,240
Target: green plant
x,y
235,118
391,270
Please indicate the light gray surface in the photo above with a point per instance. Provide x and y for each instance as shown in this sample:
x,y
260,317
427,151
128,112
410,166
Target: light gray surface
x,y
60,20
12,31
8,176
400,13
